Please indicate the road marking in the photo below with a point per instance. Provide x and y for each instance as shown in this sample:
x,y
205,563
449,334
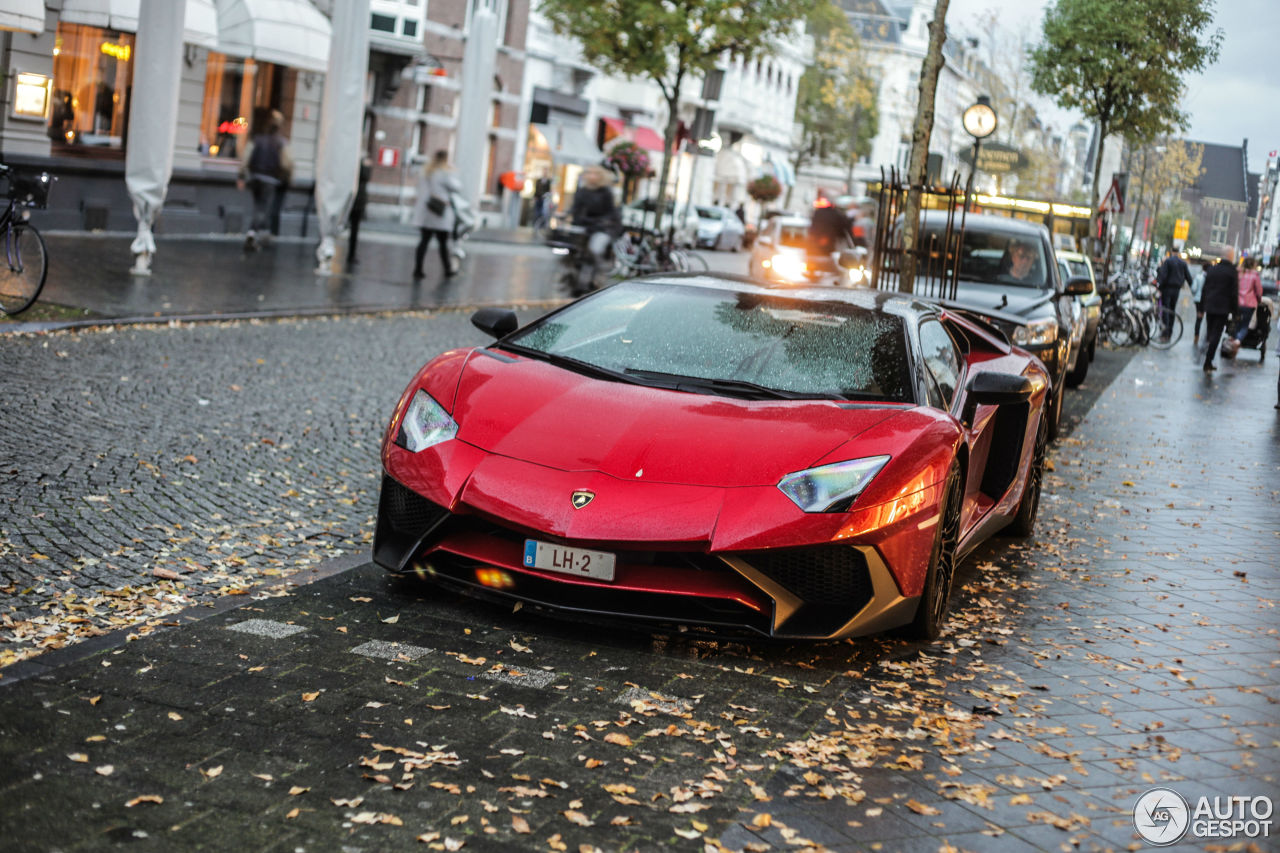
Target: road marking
x,y
390,651
266,628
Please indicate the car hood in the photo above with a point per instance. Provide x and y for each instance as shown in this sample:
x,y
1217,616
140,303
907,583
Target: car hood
x,y
537,412
1025,301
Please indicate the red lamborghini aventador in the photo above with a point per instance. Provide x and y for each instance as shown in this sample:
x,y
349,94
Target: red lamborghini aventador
x,y
708,451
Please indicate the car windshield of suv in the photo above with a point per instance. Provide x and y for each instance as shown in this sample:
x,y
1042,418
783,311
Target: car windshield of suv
x,y
1000,257
714,341
795,236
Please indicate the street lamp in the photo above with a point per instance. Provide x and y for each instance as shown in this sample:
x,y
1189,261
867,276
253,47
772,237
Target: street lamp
x,y
979,122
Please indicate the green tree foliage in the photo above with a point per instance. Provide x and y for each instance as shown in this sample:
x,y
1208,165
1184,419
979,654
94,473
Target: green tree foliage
x,y
670,41
1121,62
836,99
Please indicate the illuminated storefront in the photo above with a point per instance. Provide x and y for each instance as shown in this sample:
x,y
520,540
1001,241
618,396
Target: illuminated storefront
x,y
92,74
238,95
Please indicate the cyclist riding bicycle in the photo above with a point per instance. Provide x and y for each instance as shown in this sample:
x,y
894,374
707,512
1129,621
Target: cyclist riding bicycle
x,y
595,211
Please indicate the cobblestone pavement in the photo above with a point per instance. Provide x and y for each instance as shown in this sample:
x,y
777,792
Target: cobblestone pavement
x,y
1131,643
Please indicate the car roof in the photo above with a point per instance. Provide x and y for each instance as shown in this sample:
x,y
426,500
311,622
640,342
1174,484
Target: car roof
x,y
871,300
1066,255
989,222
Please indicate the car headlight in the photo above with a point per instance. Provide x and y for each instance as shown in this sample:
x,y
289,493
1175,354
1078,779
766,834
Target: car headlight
x,y
856,275
425,423
790,267
831,488
1037,333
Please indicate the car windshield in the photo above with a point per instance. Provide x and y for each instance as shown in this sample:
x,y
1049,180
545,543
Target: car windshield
x,y
795,236
708,340
1077,269
1001,257
708,212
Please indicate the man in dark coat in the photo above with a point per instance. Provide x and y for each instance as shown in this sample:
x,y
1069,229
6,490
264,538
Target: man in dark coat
x,y
1221,299
1170,278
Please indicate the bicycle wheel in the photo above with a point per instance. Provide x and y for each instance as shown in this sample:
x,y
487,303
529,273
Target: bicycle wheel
x,y
1158,338
24,264
1118,327
694,262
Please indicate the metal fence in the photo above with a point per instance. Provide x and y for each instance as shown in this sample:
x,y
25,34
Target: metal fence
x,y
937,250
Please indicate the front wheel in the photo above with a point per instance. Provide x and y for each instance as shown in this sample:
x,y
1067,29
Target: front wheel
x,y
24,265
935,598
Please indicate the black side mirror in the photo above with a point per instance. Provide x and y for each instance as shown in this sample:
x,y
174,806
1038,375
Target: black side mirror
x,y
495,322
998,389
1078,286
994,389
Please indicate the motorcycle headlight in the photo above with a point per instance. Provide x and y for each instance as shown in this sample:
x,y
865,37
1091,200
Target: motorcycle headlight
x,y
831,488
790,267
857,275
1037,333
425,423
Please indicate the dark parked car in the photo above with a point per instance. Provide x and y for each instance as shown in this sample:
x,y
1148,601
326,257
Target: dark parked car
x,y
1008,265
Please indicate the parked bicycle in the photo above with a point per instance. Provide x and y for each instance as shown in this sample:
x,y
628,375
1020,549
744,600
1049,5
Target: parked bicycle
x,y
641,252
1132,314
26,260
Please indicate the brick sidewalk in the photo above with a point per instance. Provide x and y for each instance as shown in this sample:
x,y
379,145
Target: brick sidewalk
x,y
1131,643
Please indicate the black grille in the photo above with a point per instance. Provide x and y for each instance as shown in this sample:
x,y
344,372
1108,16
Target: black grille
x,y
406,510
833,581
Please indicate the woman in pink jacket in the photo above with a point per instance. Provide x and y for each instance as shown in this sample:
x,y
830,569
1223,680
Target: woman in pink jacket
x,y
1250,293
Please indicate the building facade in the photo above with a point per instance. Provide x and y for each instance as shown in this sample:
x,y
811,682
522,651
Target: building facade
x,y
1219,199
242,59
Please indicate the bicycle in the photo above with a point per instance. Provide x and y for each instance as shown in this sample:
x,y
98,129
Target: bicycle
x,y
26,260
641,252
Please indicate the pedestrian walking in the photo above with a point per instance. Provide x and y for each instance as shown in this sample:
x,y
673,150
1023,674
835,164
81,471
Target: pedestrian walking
x,y
265,168
358,206
433,212
1250,285
1221,299
1170,277
1197,295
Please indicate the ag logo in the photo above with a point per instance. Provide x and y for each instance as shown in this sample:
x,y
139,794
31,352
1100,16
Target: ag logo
x,y
1161,816
582,497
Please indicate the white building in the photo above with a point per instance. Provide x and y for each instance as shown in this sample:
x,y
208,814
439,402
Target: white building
x,y
576,113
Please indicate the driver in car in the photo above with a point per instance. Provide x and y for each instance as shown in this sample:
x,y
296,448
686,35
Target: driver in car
x,y
1019,262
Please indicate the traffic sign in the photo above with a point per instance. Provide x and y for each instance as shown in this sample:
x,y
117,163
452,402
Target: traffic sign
x,y
1180,229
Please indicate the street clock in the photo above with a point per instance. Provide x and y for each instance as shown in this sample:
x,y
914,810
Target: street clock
x,y
980,119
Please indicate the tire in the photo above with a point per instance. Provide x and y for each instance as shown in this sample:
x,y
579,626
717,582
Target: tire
x,y
1080,371
935,598
1055,410
1175,331
1024,521
24,265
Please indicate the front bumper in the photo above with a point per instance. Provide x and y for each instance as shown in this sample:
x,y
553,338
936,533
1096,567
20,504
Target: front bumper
x,y
820,587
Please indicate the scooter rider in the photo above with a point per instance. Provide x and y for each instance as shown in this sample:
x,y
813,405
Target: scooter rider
x,y
595,211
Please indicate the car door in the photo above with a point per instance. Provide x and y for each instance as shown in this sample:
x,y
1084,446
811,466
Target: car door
x,y
945,367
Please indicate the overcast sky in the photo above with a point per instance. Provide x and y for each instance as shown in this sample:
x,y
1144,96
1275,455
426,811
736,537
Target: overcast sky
x,y
1236,98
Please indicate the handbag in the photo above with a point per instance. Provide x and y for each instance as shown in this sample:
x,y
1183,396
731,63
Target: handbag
x,y
1230,347
436,205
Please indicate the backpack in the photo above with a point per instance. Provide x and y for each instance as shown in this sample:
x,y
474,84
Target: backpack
x,y
265,157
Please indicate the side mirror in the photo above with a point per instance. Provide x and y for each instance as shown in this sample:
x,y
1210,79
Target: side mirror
x,y
495,322
1078,286
849,259
998,389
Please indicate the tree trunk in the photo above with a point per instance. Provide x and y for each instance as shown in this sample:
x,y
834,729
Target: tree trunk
x,y
929,70
671,153
1142,191
853,152
1095,241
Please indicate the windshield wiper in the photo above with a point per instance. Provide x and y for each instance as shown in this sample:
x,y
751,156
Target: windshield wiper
x,y
567,362
731,387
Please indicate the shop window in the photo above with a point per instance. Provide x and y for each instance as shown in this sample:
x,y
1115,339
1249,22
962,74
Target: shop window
x,y
92,74
239,95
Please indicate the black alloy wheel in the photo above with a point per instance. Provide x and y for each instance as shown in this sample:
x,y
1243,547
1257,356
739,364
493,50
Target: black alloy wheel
x,y
936,596
1024,522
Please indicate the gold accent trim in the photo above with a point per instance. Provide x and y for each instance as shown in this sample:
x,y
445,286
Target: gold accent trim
x,y
888,607
785,603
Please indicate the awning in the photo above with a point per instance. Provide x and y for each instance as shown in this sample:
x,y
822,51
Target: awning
x,y
200,24
644,137
569,144
647,138
782,169
23,15
287,32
